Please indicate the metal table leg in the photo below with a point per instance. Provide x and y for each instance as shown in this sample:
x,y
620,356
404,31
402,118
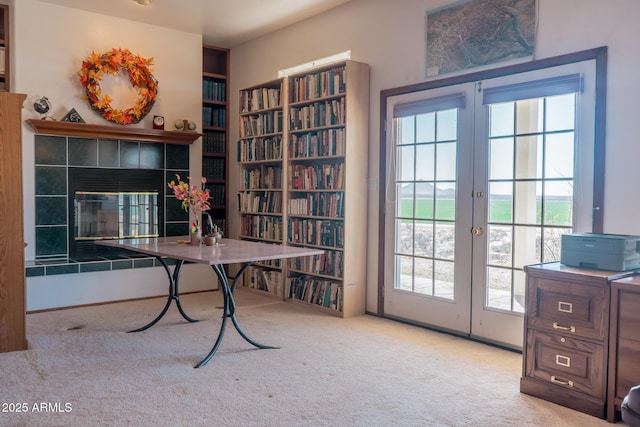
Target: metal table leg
x,y
174,294
229,310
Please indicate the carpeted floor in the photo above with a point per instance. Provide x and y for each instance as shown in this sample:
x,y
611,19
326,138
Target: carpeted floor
x,y
83,369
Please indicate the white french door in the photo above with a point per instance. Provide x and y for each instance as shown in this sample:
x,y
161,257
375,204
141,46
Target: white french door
x,y
484,178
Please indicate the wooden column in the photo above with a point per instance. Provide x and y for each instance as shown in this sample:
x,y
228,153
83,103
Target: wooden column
x,y
12,272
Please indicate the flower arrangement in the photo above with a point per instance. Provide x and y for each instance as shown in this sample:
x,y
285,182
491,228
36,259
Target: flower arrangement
x,y
96,65
194,199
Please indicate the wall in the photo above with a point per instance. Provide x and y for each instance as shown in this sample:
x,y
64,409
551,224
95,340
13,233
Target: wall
x,y
48,45
389,36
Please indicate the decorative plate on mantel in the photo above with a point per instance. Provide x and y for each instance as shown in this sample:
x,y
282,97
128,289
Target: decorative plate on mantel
x,y
87,130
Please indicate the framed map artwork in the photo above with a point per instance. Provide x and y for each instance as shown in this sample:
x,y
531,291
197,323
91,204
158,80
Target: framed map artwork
x,y
478,33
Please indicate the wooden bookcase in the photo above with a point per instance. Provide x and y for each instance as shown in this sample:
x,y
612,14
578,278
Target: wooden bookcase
x,y
325,116
4,49
215,94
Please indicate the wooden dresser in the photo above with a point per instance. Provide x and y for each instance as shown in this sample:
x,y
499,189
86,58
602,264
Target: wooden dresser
x,y
624,342
565,353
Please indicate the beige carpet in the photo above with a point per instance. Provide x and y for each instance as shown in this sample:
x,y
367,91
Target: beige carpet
x,y
363,371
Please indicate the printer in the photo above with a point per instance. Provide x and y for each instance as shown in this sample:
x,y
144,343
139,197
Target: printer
x,y
614,252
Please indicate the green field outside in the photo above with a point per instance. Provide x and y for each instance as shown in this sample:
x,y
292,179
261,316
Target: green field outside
x,y
557,212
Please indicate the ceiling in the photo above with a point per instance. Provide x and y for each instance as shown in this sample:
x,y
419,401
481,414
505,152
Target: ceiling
x,y
223,23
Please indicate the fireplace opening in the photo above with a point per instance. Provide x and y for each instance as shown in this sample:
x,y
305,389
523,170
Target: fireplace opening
x,y
113,204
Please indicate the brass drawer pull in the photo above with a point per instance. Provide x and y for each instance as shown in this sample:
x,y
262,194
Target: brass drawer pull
x,y
564,328
563,360
557,381
565,307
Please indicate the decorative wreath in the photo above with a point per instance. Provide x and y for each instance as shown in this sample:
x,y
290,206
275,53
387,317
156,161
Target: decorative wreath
x,y
95,66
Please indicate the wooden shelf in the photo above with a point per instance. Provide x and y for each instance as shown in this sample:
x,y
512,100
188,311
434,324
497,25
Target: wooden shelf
x,y
85,130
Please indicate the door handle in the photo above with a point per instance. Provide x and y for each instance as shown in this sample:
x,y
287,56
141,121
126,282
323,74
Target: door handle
x,y
477,231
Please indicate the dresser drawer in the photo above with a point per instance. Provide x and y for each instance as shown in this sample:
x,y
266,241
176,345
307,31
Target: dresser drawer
x,y
568,308
629,316
567,362
628,369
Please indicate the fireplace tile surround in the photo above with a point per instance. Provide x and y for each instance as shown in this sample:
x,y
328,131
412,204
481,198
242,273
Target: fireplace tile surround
x,y
54,155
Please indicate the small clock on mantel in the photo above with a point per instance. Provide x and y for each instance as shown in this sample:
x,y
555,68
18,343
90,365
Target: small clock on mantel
x,y
158,122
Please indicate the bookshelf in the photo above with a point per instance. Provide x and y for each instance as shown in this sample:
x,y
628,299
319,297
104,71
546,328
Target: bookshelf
x,y
322,167
4,48
260,156
215,93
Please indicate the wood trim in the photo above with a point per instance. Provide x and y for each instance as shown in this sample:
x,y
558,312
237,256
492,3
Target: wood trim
x,y
86,130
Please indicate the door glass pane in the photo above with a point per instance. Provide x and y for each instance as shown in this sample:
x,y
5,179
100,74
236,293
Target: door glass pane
x,y
424,200
529,157
501,158
425,161
561,112
542,178
446,201
423,276
559,155
501,202
528,202
425,127
405,166
404,194
426,174
404,273
558,202
423,245
499,245
501,119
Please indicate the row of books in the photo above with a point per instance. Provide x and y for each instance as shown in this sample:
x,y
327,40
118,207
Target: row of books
x,y
214,90
261,124
328,142
263,177
213,169
216,194
317,177
259,99
330,263
214,116
316,232
254,149
262,227
214,142
318,114
314,291
318,204
324,83
263,279
260,202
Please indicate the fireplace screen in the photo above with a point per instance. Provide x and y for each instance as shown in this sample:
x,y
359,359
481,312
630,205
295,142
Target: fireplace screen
x,y
116,215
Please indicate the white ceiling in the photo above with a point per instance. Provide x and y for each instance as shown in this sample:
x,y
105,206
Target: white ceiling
x,y
224,23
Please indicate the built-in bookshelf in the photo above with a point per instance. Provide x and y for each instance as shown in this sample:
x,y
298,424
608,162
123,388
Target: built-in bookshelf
x,y
215,95
323,164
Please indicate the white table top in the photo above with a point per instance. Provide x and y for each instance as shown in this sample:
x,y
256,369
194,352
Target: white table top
x,y
229,252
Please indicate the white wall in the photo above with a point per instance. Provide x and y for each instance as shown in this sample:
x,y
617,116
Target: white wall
x,y
48,45
389,36
49,42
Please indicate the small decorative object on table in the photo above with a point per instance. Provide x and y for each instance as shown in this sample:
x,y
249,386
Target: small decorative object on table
x,y
214,235
195,200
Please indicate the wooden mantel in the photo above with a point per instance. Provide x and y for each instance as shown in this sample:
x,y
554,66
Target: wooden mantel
x,y
86,130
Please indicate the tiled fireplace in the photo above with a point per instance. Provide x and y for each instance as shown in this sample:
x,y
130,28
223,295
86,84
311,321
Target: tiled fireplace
x,y
118,188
